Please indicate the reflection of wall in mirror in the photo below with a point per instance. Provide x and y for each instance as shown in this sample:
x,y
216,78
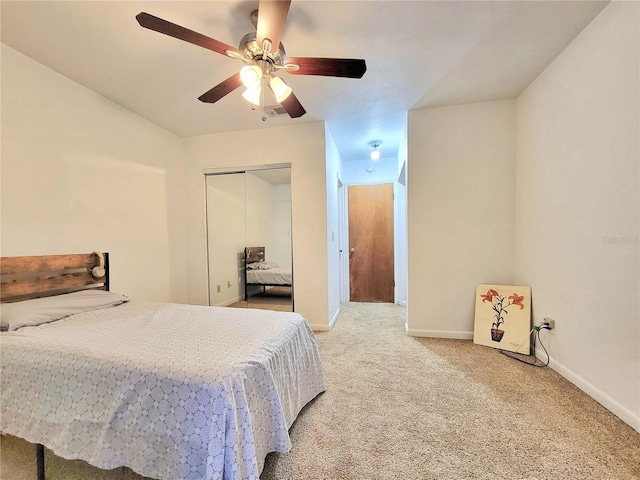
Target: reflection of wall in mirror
x,y
269,219
282,226
260,212
226,235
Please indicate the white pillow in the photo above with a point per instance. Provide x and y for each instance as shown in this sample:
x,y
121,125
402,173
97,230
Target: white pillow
x,y
262,265
29,313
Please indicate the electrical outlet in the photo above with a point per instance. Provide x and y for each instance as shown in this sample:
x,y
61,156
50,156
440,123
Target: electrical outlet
x,y
228,283
551,323
218,288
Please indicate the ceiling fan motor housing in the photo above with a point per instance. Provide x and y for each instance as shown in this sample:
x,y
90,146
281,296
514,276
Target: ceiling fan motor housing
x,y
253,52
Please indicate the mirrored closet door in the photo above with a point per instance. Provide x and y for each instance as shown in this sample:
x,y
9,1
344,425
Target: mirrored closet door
x,y
249,213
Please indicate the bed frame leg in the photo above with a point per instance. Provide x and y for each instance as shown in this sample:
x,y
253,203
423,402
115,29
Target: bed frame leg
x,y
40,461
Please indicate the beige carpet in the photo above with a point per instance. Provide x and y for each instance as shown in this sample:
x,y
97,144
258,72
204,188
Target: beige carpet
x,y
403,408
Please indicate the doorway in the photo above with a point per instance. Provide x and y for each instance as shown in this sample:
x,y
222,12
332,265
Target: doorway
x,y
371,243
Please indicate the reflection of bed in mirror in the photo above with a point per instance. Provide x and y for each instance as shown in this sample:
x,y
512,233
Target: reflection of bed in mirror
x,y
259,272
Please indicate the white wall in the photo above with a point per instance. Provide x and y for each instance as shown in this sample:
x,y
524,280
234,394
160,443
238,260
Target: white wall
x,y
383,170
577,229
460,212
400,243
334,257
400,216
305,150
80,173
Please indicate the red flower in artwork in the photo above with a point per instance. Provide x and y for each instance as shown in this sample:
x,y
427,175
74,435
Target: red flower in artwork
x,y
517,300
500,304
488,297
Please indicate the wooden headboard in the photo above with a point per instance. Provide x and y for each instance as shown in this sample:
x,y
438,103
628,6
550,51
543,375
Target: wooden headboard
x,y
23,278
254,254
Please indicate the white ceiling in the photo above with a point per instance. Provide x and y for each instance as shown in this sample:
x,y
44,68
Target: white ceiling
x,y
418,53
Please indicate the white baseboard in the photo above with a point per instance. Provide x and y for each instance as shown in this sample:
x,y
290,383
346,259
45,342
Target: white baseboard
x,y
438,334
326,328
627,416
402,303
334,319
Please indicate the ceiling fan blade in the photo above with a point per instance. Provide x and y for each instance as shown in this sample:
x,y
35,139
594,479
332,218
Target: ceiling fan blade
x,y
163,26
220,90
328,67
272,15
293,106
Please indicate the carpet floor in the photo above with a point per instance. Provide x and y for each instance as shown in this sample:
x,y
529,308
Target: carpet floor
x,y
398,407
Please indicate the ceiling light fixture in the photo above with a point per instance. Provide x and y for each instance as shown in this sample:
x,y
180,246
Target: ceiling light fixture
x,y
375,153
279,88
251,76
252,95
263,54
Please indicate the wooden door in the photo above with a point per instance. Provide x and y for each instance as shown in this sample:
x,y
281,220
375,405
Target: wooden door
x,y
371,243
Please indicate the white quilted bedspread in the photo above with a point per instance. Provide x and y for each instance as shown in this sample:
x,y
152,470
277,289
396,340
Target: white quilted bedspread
x,y
172,391
273,276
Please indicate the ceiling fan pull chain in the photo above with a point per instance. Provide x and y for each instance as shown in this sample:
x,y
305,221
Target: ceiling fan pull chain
x,y
264,117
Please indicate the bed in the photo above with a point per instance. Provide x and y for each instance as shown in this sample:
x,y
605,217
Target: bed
x,y
259,272
171,391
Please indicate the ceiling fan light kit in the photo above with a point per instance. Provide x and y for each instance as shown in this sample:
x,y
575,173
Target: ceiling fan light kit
x,y
252,95
280,89
263,54
251,76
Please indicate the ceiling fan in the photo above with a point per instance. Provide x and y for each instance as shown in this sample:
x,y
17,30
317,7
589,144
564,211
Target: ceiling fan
x,y
263,55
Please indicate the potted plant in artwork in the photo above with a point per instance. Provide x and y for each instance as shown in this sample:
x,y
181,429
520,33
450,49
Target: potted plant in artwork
x,y
500,304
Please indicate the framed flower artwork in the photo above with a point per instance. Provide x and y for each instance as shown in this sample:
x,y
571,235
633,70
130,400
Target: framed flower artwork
x,y
503,317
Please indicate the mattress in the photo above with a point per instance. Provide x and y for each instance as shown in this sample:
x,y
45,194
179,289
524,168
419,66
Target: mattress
x,y
171,391
271,276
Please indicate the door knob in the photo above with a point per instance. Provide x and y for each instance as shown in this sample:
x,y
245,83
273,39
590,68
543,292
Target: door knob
x,y
353,250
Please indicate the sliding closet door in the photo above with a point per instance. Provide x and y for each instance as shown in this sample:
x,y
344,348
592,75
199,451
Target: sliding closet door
x,y
226,234
248,209
268,196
